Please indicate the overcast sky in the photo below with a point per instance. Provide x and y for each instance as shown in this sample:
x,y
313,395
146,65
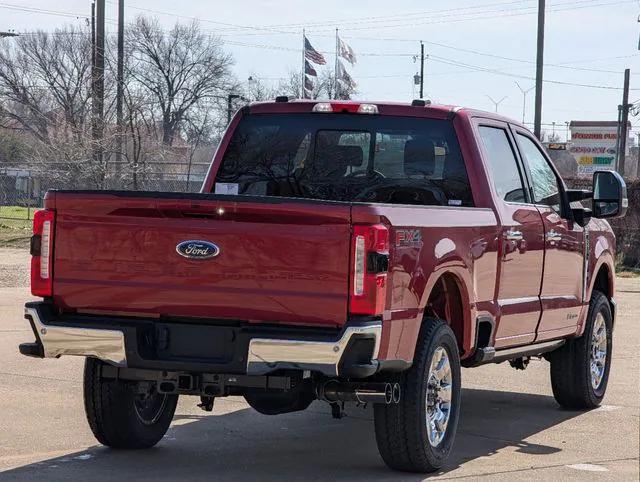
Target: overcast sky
x,y
463,40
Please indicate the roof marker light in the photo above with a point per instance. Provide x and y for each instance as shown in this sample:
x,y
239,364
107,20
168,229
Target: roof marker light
x,y
345,107
323,107
368,109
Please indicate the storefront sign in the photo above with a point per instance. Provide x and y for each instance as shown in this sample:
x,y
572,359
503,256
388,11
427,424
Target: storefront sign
x,y
593,146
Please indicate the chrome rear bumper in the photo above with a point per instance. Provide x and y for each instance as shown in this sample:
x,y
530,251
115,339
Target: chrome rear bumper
x,y
107,345
267,354
259,354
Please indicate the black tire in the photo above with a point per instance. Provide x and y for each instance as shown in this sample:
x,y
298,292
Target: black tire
x,y
571,364
401,431
118,416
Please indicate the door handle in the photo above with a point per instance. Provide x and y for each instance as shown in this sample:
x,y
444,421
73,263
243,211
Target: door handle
x,y
513,235
554,236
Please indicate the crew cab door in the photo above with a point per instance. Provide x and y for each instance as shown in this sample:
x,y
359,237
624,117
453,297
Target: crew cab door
x,y
521,255
562,283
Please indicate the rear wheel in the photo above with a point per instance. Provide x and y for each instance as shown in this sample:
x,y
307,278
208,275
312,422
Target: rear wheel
x,y
580,369
417,434
124,414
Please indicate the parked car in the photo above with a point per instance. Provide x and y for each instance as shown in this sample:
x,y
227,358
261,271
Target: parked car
x,y
315,266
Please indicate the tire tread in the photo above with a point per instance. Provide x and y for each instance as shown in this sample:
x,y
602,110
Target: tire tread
x,y
571,388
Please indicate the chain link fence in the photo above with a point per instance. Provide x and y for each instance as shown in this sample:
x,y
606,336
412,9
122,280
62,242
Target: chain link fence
x,y
22,190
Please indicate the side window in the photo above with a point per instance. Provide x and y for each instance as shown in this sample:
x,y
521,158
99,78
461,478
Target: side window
x,y
502,162
543,179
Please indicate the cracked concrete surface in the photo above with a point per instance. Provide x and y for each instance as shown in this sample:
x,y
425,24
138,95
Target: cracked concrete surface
x,y
510,429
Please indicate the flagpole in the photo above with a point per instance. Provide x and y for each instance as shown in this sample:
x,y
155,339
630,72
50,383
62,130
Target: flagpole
x,y
335,72
302,93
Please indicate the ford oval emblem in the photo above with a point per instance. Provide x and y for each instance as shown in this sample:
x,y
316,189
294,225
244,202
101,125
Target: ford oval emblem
x,y
194,249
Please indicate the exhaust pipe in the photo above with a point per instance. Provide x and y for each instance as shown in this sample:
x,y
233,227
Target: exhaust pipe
x,y
334,391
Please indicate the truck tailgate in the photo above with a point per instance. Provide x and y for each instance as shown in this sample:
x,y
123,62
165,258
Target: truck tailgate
x,y
279,260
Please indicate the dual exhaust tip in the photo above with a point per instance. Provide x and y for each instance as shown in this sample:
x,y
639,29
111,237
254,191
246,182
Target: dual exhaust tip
x,y
383,393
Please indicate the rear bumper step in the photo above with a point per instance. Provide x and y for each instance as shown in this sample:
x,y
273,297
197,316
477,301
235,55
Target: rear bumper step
x,y
54,341
250,350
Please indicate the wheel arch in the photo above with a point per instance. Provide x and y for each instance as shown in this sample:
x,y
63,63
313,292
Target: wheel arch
x,y
602,279
449,299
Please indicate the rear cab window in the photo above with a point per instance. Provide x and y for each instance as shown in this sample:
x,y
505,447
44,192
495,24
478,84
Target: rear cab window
x,y
346,157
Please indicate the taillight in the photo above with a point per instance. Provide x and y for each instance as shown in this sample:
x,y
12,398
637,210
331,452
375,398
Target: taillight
x,y
42,252
370,255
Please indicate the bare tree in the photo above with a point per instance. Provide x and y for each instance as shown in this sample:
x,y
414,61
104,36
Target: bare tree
x,y
257,90
45,83
180,68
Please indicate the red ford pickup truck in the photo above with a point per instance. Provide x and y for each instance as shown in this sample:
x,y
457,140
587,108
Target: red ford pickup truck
x,y
338,251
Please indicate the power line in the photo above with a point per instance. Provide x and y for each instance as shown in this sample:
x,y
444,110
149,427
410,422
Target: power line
x,y
57,13
388,17
42,10
444,60
488,15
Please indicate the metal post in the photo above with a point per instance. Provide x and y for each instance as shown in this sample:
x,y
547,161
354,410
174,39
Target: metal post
x,y
524,99
421,70
537,122
624,121
230,98
618,137
303,92
335,71
120,84
98,82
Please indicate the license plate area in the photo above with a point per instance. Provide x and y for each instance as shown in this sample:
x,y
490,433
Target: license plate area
x,y
194,342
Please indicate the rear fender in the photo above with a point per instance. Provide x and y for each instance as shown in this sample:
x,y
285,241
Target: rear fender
x,y
462,326
602,253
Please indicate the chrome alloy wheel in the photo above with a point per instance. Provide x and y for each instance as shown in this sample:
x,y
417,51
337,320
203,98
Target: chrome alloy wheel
x,y
439,391
598,355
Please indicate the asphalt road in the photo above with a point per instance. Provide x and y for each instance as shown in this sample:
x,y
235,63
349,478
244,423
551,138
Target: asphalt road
x,y
510,429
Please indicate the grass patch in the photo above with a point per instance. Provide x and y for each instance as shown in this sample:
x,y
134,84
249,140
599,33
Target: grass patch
x,y
15,226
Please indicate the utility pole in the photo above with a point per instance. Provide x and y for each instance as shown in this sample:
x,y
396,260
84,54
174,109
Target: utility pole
x,y
93,43
496,104
624,121
120,84
524,99
537,122
98,81
421,69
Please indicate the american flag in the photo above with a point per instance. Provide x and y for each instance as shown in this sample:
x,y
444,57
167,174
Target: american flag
x,y
312,54
343,76
309,70
346,52
308,83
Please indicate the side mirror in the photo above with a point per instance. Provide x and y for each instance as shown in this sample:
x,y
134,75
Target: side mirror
x,y
609,195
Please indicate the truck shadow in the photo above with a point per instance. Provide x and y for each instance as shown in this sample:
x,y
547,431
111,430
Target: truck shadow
x,y
244,445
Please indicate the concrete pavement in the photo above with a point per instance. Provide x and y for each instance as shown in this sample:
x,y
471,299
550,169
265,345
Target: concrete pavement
x,y
511,427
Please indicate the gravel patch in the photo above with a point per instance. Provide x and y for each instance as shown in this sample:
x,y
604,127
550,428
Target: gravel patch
x,y
14,268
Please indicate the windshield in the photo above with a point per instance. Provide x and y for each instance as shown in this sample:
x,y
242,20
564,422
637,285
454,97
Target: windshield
x,y
343,157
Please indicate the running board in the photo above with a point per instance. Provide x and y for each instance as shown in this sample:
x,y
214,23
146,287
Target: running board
x,y
486,355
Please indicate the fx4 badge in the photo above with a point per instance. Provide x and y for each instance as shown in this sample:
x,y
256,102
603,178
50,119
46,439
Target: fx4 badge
x,y
194,249
409,238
